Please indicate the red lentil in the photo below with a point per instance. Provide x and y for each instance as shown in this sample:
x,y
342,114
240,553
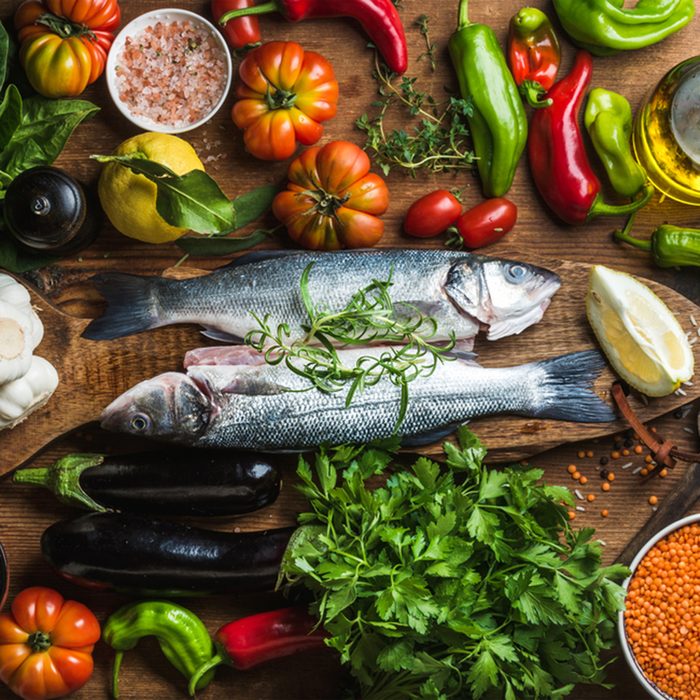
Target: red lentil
x,y
644,472
576,476
615,454
572,515
583,480
581,454
589,454
605,486
604,513
662,620
663,473
653,500
648,459
591,497
571,468
638,449
611,476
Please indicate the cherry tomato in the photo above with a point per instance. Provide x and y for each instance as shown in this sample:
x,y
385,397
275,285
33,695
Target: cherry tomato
x,y
46,644
332,201
283,93
432,215
487,222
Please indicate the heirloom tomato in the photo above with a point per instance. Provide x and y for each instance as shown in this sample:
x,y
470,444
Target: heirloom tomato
x,y
64,43
332,201
46,644
283,93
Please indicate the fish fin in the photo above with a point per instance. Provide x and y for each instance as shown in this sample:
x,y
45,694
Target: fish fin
x,y
221,336
431,437
258,256
223,355
465,356
568,387
131,306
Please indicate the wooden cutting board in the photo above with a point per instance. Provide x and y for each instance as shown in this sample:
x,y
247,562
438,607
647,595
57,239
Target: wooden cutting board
x,y
93,373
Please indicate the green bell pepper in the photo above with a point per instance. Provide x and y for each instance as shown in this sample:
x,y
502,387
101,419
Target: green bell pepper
x,y
608,120
182,636
670,246
604,27
498,122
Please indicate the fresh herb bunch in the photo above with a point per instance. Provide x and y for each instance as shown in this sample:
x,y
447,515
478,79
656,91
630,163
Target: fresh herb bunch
x,y
369,317
437,142
467,582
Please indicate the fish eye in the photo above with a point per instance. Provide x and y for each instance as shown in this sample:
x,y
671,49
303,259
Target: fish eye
x,y
140,422
517,273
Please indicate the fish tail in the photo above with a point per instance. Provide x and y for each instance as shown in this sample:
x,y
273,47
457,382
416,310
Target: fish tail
x,y
131,305
568,392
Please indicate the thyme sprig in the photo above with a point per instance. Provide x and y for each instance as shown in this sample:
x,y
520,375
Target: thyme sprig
x,y
423,24
438,141
369,317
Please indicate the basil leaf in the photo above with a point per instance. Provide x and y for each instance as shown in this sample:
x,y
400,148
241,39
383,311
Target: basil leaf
x,y
4,53
46,126
16,260
205,247
10,115
193,201
252,205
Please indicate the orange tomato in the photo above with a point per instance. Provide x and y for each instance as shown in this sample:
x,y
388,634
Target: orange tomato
x,y
64,43
332,201
284,93
46,645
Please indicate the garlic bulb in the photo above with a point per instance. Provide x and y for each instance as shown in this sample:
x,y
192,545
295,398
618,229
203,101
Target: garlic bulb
x,y
22,396
12,292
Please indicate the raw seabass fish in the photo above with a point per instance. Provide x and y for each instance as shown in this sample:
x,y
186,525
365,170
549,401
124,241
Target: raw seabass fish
x,y
246,403
462,292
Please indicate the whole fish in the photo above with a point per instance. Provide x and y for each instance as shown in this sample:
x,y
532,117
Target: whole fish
x,y
460,291
253,405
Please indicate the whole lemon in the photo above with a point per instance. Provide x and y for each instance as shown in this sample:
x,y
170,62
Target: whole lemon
x,y
129,200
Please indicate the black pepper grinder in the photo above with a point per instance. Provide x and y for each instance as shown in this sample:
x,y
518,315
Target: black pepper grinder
x,y
46,210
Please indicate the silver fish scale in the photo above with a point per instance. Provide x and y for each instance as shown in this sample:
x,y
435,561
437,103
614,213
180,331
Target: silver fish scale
x,y
225,299
454,393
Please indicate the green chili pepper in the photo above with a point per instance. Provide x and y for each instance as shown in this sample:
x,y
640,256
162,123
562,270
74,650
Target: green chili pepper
x,y
670,246
498,122
608,119
605,27
183,638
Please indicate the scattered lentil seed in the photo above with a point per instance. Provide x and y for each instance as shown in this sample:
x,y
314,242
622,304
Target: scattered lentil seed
x,y
581,454
572,515
590,498
604,513
604,473
589,454
571,468
663,473
605,486
648,459
615,454
583,480
625,452
644,472
653,500
611,476
604,461
638,449
576,476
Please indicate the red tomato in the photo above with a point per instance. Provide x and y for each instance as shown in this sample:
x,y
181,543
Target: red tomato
x,y
46,645
283,94
332,201
432,215
487,222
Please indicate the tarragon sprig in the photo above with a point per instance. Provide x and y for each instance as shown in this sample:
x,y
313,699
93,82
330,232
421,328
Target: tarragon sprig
x,y
369,317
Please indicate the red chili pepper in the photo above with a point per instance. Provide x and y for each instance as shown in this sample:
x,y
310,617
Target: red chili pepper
x,y
243,32
558,160
485,223
379,18
258,638
533,54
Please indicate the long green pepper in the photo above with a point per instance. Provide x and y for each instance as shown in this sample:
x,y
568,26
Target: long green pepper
x,y
608,120
670,246
498,122
182,636
605,27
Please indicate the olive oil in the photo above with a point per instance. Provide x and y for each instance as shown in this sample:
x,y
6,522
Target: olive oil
x,y
666,136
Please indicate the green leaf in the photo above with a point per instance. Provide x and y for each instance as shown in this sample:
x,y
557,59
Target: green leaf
x,y
4,53
10,115
45,128
212,247
494,485
253,204
192,201
16,260
482,525
483,674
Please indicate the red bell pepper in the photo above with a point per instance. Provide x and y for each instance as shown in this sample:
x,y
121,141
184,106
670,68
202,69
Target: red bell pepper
x,y
240,33
379,18
258,638
558,160
533,54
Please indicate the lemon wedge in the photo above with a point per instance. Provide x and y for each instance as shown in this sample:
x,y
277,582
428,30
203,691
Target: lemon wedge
x,y
641,337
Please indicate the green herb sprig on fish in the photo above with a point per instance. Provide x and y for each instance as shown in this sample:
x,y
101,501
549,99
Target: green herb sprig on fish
x,y
370,317
460,581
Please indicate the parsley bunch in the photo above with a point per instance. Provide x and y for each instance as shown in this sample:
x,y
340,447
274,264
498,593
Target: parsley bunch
x,y
460,582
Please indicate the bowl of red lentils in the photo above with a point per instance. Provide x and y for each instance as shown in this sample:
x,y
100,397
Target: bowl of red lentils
x,y
169,71
660,627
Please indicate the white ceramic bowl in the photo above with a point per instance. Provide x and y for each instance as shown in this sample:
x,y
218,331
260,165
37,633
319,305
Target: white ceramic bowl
x,y
650,687
137,25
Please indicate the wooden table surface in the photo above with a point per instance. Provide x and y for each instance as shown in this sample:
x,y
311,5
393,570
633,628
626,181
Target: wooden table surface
x,y
25,513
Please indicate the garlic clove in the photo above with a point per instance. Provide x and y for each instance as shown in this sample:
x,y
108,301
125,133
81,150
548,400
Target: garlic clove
x,y
23,396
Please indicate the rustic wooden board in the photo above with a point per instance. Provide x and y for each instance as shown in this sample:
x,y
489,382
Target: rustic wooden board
x,y
93,373
25,513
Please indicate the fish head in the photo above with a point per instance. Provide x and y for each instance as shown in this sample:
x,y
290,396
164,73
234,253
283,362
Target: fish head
x,y
505,295
170,406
